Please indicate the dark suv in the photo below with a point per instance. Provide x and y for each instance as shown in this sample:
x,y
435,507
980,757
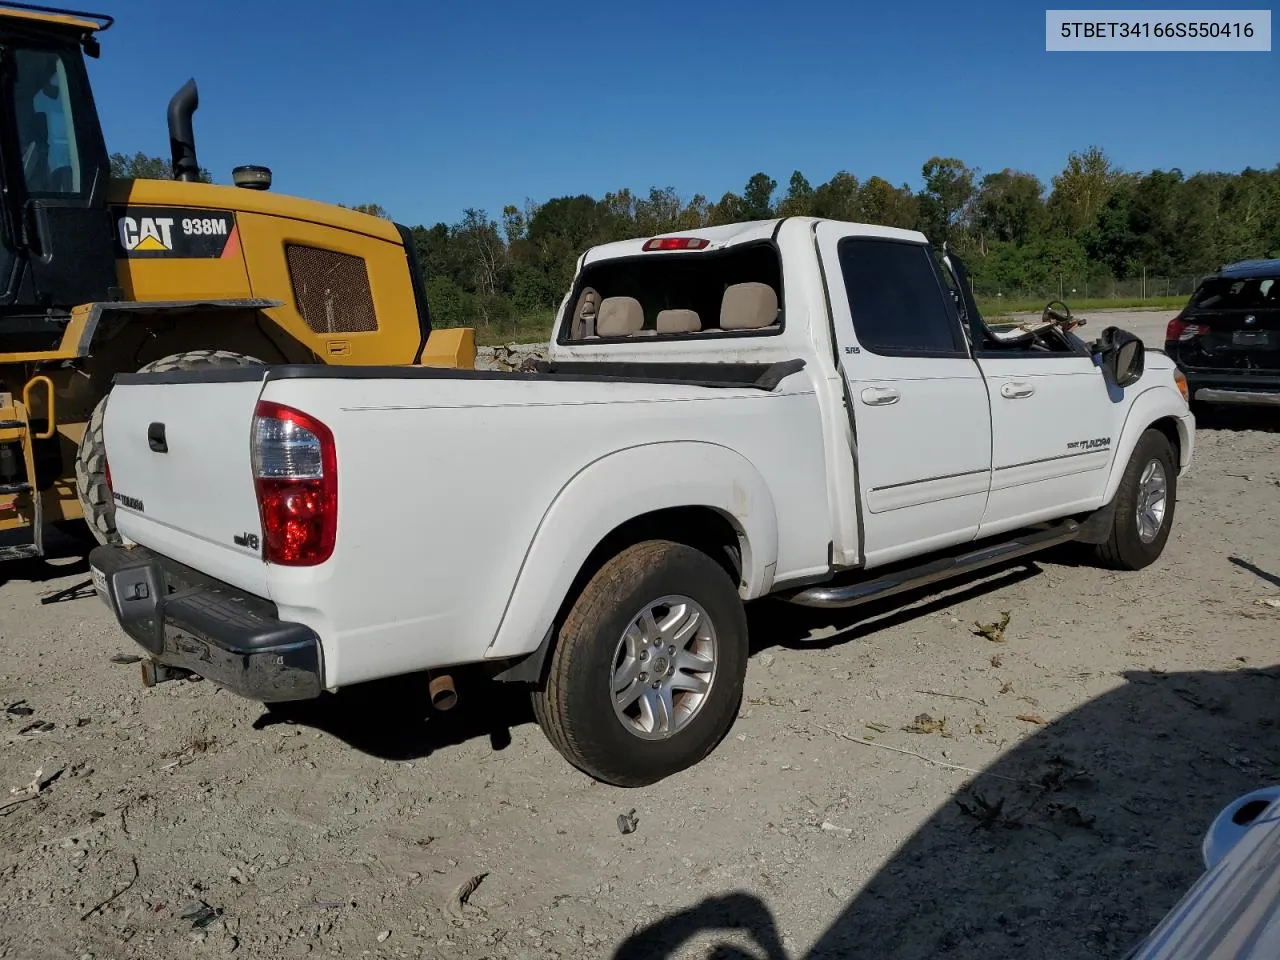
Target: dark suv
x,y
1226,340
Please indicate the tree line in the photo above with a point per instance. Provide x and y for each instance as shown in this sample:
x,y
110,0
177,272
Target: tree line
x,y
1093,223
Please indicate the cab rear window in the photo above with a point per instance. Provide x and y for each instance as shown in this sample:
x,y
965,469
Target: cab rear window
x,y
735,292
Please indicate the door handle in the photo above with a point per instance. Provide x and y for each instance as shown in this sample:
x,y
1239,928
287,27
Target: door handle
x,y
1016,390
880,396
155,438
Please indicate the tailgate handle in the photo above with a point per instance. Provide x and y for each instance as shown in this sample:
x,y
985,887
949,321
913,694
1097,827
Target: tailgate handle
x,y
155,438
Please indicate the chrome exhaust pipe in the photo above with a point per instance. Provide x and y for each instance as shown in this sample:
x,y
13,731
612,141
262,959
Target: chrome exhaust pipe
x,y
443,694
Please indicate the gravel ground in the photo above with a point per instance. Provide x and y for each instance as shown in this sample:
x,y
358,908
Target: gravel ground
x,y
1111,720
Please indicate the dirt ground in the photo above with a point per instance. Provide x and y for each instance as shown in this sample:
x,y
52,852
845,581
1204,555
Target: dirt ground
x,y
1111,720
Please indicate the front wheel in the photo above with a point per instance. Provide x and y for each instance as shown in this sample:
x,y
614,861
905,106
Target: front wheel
x,y
647,673
1144,505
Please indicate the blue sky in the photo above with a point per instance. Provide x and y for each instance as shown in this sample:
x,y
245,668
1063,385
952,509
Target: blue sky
x,y
429,108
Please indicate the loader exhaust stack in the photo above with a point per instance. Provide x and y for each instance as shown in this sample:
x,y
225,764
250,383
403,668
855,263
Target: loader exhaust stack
x,y
182,137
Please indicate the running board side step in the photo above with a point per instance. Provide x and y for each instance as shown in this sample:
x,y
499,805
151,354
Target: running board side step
x,y
850,595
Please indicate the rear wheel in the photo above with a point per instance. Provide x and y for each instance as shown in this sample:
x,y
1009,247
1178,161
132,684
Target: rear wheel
x,y
1144,505
91,457
646,676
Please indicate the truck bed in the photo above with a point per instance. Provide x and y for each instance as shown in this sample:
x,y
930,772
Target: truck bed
x,y
446,477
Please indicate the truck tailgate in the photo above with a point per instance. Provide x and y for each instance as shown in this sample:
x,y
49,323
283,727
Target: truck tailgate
x,y
182,477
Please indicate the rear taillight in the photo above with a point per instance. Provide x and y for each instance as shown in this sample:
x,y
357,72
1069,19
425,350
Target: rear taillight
x,y
295,474
1179,329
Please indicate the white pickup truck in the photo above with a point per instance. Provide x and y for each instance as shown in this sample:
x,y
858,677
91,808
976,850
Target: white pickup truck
x,y
798,407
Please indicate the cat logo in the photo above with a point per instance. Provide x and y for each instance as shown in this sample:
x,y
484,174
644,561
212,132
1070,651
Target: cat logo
x,y
146,234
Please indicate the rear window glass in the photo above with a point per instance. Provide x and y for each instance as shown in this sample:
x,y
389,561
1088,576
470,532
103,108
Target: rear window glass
x,y
1223,293
735,291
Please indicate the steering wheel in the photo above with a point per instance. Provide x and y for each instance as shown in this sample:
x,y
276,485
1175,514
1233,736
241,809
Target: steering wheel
x,y
1064,318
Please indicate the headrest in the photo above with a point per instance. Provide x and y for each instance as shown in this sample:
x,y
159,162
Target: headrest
x,y
619,317
679,321
584,315
748,306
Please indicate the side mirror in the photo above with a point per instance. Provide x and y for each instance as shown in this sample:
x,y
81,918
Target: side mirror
x,y
1123,356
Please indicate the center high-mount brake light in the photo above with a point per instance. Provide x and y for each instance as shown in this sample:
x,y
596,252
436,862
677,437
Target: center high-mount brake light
x,y
676,243
295,476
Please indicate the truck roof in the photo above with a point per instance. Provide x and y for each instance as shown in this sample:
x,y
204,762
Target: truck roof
x,y
747,232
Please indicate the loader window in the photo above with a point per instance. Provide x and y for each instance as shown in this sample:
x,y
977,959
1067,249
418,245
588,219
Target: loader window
x,y
46,124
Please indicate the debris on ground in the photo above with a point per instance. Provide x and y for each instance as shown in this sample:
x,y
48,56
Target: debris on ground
x,y
993,631
1069,815
1032,718
125,658
829,827
1273,602
923,723
987,814
38,783
19,709
627,822
459,906
952,696
200,913
115,896
1060,773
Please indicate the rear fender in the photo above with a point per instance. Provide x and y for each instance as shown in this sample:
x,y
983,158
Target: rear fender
x,y
621,487
1156,403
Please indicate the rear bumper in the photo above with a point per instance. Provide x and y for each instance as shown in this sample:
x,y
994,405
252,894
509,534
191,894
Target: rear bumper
x,y
185,620
1209,386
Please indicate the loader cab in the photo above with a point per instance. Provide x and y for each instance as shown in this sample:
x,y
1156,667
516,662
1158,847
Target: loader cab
x,y
55,228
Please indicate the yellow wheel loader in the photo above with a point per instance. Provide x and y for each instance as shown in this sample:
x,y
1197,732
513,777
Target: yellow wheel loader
x,y
99,276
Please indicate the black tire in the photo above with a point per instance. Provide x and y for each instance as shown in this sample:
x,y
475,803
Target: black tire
x,y
575,708
1125,548
91,457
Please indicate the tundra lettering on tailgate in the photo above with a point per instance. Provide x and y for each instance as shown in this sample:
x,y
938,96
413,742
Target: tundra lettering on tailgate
x,y
133,503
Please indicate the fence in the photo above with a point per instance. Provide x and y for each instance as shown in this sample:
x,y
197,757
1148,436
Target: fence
x,y
1082,288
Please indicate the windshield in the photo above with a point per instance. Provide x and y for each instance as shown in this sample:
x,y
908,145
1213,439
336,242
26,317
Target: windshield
x,y
1222,293
45,125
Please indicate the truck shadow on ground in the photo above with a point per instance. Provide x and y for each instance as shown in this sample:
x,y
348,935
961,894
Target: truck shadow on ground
x,y
1237,419
63,557
393,720
1073,844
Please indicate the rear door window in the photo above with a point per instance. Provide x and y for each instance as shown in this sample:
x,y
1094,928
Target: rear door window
x,y
899,306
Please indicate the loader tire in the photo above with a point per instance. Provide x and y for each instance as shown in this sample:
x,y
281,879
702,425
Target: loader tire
x,y
91,457
658,631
